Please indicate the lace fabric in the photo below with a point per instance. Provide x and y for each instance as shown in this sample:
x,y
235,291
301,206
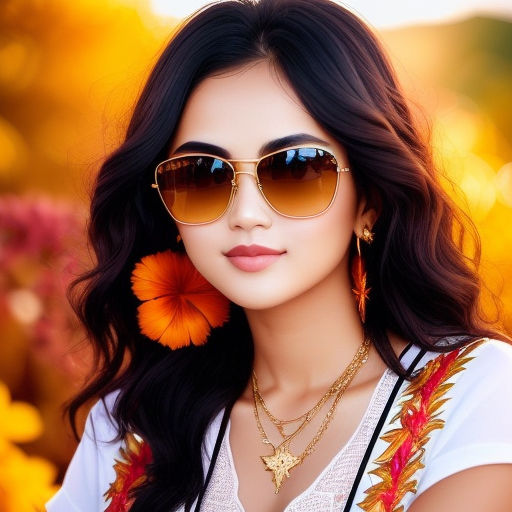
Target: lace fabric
x,y
330,490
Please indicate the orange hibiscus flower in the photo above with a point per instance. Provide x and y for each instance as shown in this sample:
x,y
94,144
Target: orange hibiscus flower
x,y
180,307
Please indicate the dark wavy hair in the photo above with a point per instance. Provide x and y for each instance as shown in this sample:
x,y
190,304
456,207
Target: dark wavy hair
x,y
424,287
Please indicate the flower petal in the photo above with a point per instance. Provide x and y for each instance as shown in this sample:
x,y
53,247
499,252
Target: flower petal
x,y
212,305
154,276
195,323
181,305
154,317
20,422
172,322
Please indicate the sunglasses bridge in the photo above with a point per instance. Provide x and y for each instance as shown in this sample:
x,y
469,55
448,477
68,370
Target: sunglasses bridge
x,y
254,172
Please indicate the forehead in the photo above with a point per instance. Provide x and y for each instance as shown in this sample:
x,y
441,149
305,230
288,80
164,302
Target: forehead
x,y
241,110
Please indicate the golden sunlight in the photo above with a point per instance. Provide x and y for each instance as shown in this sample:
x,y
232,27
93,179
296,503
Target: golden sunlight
x,y
504,184
175,8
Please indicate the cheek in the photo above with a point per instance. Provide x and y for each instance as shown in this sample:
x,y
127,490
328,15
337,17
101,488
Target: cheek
x,y
204,248
323,249
323,245
196,242
329,234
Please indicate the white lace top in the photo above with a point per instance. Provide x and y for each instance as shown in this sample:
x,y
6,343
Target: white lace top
x,y
330,490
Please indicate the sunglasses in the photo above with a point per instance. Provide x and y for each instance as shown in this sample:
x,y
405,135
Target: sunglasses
x,y
299,182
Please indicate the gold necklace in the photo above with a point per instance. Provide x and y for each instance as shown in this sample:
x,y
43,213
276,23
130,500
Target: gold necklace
x,y
280,424
333,389
282,460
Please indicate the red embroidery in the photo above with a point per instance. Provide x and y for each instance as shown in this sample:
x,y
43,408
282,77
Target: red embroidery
x,y
130,473
418,417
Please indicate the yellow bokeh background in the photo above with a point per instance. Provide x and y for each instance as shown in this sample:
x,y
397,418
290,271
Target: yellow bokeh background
x,y
70,73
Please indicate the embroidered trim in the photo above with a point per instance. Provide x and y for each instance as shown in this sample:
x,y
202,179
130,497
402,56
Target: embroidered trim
x,y
130,473
419,416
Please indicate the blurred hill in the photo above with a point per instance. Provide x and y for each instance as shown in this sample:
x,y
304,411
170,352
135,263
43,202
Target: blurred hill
x,y
472,57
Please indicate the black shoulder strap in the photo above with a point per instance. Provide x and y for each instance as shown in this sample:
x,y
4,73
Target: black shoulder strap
x,y
220,436
379,426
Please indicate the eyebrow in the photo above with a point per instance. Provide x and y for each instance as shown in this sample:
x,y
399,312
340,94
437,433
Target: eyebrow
x,y
270,146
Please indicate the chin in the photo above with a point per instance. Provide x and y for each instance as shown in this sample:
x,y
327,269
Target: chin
x,y
259,302
255,304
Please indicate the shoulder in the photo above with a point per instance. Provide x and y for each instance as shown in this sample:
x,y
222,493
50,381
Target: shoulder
x,y
471,411
469,374
488,351
101,426
91,469
462,392
485,360
491,364
472,372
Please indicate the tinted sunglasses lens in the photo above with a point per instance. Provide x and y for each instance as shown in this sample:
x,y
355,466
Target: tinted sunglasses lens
x,y
299,182
195,189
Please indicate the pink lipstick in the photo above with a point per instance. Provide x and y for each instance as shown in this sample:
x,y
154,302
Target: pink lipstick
x,y
252,258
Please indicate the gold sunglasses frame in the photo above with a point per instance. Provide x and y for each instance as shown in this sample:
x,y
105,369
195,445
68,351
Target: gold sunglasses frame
x,y
234,185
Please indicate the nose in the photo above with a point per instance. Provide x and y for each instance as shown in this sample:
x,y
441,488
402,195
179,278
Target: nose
x,y
249,208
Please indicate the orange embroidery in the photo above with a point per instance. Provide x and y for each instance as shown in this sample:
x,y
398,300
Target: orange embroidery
x,y
418,418
130,473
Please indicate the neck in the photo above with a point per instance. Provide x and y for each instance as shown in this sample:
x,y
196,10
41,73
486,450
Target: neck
x,y
307,342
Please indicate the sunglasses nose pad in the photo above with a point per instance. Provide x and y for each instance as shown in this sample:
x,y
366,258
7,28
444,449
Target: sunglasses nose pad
x,y
249,170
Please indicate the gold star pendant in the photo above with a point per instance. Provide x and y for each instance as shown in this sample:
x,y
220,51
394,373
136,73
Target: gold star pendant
x,y
280,463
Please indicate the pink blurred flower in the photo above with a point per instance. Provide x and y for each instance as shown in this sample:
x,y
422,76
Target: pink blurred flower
x,y
42,248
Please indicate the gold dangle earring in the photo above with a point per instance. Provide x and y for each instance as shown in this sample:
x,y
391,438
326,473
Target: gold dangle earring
x,y
359,275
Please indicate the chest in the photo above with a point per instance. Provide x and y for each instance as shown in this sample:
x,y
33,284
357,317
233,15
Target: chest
x,y
322,481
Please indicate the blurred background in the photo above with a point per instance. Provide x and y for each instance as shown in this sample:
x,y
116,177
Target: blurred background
x,y
69,75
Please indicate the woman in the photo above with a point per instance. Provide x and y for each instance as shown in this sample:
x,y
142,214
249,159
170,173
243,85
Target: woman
x,y
282,312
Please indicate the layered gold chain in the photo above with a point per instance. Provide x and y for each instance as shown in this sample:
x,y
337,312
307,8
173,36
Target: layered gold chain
x,y
282,461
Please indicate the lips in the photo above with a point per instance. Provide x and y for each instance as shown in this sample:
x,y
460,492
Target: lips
x,y
251,250
252,258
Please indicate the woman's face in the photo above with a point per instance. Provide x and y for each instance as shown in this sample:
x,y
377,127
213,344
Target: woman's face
x,y
240,112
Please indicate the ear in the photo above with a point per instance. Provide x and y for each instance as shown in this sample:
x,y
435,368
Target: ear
x,y
366,216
